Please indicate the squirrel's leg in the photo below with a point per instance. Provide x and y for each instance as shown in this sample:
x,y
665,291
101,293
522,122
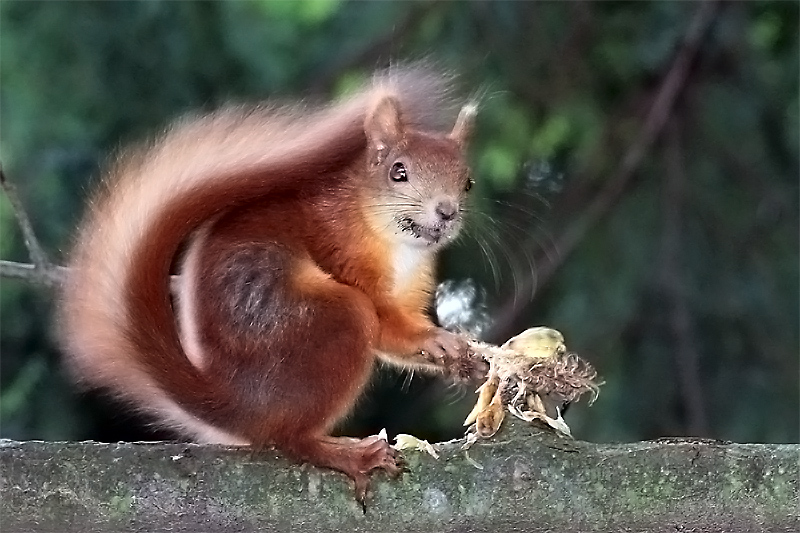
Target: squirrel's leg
x,y
294,347
410,339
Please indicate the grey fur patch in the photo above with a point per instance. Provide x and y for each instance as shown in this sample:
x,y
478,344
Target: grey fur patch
x,y
253,286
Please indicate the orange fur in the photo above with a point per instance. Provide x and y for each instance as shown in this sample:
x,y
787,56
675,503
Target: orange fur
x,y
312,259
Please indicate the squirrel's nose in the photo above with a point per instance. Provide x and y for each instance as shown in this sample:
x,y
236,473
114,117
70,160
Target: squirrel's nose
x,y
446,210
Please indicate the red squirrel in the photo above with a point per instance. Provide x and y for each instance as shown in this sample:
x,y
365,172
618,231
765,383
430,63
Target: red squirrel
x,y
309,238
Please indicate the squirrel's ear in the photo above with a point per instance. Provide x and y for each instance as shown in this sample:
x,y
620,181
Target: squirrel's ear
x,y
384,126
464,122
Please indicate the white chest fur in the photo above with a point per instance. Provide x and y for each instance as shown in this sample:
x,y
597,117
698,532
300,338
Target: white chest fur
x,y
408,262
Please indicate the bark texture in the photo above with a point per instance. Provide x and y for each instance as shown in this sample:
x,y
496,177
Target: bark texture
x,y
524,479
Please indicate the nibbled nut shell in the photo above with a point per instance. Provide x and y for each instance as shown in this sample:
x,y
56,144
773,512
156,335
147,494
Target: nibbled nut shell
x,y
534,376
490,418
403,441
485,394
537,343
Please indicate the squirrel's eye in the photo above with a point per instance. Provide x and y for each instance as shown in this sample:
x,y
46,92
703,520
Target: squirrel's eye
x,y
398,172
470,183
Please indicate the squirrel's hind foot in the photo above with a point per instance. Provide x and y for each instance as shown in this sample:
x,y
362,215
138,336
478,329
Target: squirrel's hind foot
x,y
356,458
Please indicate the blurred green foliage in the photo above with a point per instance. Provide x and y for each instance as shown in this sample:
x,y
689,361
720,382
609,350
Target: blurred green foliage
x,y
684,293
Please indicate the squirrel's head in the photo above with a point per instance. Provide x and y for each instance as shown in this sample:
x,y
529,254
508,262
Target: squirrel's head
x,y
418,180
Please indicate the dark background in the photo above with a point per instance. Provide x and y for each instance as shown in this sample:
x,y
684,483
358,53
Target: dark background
x,y
637,169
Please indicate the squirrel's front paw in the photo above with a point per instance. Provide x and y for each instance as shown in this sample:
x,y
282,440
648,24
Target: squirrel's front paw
x,y
451,352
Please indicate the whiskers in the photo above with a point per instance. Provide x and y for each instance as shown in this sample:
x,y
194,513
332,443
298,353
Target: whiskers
x,y
455,392
394,202
506,235
408,376
389,212
510,236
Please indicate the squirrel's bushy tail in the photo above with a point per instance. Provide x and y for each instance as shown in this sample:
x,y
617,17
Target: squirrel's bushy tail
x,y
115,316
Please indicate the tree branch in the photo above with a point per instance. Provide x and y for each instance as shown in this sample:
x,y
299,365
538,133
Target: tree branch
x,y
601,205
42,271
35,250
54,276
524,479
50,276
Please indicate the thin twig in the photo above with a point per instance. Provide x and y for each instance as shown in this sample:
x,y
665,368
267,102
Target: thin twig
x,y
53,275
35,251
42,271
601,205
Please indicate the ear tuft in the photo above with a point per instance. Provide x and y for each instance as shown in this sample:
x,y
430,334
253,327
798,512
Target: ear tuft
x,y
464,122
384,124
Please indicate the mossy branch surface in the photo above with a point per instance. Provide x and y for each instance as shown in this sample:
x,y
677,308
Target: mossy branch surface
x,y
523,479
